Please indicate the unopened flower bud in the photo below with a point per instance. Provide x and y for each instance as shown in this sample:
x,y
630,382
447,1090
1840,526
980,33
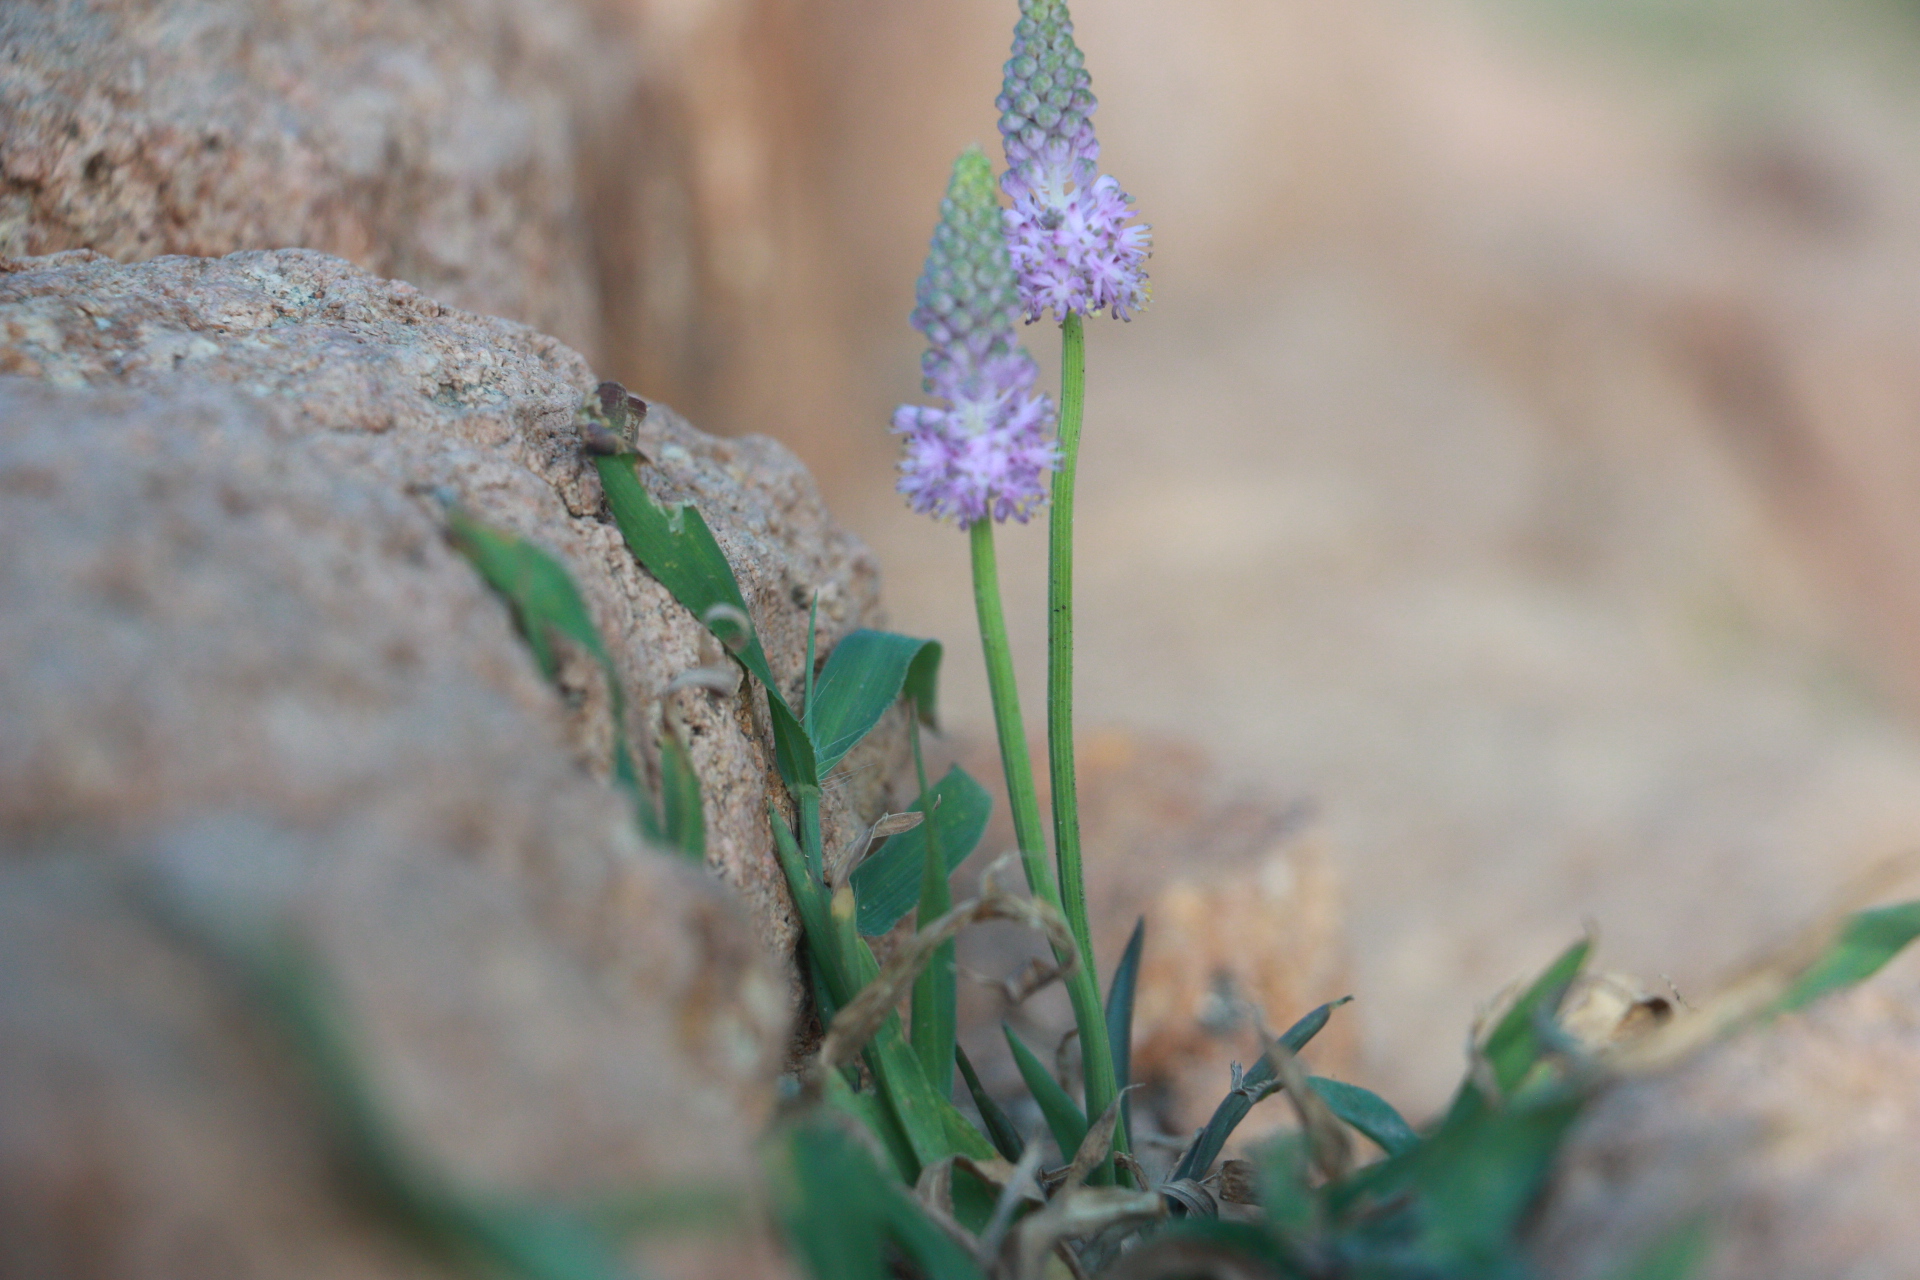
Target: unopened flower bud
x,y
987,453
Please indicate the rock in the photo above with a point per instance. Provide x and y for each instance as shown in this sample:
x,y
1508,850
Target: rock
x,y
1243,913
256,713
1798,1145
351,377
436,143
710,210
154,1115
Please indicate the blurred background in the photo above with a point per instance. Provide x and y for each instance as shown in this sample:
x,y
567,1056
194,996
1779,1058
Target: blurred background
x,y
1505,523
1519,464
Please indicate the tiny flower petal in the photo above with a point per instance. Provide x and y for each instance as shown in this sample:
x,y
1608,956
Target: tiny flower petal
x,y
1068,233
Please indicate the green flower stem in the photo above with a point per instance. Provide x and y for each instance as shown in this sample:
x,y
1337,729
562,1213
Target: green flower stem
x,y
1082,989
1066,796
1066,792
1022,798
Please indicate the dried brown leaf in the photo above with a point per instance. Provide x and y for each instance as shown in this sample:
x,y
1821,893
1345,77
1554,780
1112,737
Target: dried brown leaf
x,y
1764,983
842,864
1020,1185
1239,1182
1193,1196
1077,1213
1327,1138
1098,1142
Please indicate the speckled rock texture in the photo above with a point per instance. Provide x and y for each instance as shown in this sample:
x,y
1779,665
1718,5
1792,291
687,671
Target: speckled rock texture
x,y
373,380
436,143
1798,1146
255,708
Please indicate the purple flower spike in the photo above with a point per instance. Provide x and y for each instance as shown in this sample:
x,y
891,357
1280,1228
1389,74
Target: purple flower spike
x,y
986,454
1067,232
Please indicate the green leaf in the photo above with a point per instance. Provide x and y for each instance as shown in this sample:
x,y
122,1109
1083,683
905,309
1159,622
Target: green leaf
x,y
1520,1039
829,1200
1286,1181
839,1211
1516,1044
684,820
679,550
873,1116
1475,1180
922,686
1000,1130
1368,1112
536,586
1234,1107
1120,993
809,898
888,883
792,753
1678,1255
1868,940
676,547
1063,1115
864,674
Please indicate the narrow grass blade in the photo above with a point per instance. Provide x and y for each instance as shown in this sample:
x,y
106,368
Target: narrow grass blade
x,y
808,898
1234,1107
1516,1043
1368,1112
1120,993
1520,1038
679,550
887,883
873,1115
829,1199
1867,941
1063,1115
792,752
932,1124
545,603
1000,1130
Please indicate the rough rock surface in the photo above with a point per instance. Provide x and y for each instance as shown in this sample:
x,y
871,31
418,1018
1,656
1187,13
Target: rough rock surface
x,y
371,379
436,143
1799,1146
1243,913
255,710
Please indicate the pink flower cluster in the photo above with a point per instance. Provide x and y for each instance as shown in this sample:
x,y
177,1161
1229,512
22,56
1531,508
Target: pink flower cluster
x,y
986,454
1077,253
1072,247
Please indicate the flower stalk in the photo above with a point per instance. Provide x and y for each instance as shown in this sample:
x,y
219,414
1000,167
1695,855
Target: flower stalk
x,y
1083,991
1066,799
